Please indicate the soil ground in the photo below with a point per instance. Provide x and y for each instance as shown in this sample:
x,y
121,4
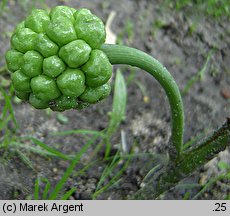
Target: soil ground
x,y
180,40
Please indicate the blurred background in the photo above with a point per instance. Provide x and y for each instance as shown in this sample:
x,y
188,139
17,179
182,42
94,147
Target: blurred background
x,y
190,38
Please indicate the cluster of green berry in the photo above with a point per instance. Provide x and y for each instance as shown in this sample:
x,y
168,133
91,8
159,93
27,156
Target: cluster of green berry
x,y
56,59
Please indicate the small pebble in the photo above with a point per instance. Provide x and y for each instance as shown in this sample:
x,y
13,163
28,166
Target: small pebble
x,y
55,170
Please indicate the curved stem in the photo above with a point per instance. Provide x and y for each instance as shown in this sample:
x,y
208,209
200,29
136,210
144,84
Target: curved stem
x,y
125,55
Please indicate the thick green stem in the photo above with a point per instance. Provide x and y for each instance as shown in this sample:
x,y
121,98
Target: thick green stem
x,y
196,157
189,161
181,164
125,55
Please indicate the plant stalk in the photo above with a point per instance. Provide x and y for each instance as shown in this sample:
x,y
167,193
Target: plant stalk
x,y
200,154
118,54
189,161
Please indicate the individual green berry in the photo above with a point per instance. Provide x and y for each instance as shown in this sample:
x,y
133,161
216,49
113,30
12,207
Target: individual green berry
x,y
81,12
98,69
32,63
73,10
24,40
90,28
44,88
53,66
62,11
19,26
75,53
93,95
45,46
63,103
81,105
61,31
14,60
71,82
38,103
20,81
38,20
22,95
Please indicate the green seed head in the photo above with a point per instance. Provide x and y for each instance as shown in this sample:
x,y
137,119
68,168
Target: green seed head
x,y
55,59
